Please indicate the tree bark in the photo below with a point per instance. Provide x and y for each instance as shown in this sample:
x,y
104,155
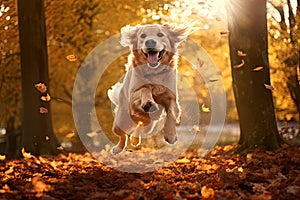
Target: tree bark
x,y
37,136
248,34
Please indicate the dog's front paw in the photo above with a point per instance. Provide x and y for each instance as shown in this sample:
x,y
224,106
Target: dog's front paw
x,y
116,150
135,141
171,139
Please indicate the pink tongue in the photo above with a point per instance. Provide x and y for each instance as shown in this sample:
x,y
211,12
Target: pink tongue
x,y
153,57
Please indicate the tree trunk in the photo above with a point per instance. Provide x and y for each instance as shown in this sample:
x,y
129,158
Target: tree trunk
x,y
37,136
248,34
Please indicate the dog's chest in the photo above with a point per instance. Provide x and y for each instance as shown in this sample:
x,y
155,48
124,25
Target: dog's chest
x,y
141,75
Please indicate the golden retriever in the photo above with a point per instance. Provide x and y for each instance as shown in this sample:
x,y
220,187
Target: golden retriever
x,y
149,86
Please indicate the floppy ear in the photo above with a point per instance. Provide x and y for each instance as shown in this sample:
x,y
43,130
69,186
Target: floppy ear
x,y
128,34
178,33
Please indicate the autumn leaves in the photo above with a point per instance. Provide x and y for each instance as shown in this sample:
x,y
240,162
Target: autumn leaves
x,y
42,88
242,54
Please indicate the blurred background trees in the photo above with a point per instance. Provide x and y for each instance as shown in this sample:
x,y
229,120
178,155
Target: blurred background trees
x,y
76,27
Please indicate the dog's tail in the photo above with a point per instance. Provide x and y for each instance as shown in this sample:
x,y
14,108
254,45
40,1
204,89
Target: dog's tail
x,y
113,93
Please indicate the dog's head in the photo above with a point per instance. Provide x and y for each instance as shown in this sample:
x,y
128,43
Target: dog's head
x,y
153,44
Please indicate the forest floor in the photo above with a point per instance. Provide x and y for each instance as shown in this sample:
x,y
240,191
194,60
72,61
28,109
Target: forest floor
x,y
220,174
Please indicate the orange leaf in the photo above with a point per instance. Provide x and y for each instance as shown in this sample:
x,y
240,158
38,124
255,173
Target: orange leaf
x,y
256,69
71,58
183,160
43,110
239,65
70,135
10,170
41,87
207,192
241,53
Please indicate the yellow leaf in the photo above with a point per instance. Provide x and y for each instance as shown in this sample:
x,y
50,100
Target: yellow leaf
x,y
239,65
258,68
71,58
183,160
10,170
25,154
205,109
2,157
207,192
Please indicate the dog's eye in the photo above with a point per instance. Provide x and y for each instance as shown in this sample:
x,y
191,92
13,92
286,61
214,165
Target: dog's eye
x,y
160,34
143,35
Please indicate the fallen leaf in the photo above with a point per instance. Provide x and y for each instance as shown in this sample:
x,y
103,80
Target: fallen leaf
x,y
46,98
25,154
256,69
41,87
43,110
2,157
10,170
241,53
196,128
71,58
207,192
205,109
39,186
269,87
183,160
239,65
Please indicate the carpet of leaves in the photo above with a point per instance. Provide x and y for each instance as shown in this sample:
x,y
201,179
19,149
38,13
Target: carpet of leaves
x,y
221,174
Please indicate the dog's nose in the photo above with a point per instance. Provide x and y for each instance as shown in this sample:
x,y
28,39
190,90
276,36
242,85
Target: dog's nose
x,y
150,107
150,43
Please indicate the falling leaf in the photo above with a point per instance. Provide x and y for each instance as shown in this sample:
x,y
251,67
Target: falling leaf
x,y
60,148
241,53
298,74
92,134
140,123
256,69
71,58
200,62
70,135
46,98
25,154
207,192
41,87
224,33
43,110
47,138
269,87
2,157
239,65
205,109
196,128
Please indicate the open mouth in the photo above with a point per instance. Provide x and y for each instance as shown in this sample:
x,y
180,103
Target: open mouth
x,y
153,57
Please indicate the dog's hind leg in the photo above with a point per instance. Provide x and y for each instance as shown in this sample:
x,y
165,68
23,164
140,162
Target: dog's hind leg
x,y
118,148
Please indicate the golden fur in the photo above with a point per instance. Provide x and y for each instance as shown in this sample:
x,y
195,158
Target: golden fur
x,y
149,87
